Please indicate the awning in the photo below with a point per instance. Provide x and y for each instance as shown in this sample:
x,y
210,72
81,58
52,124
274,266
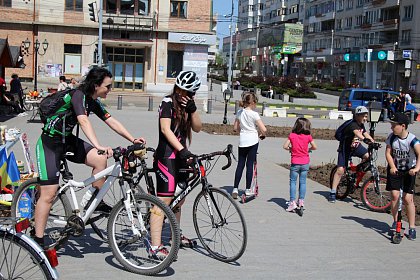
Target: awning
x,y
5,55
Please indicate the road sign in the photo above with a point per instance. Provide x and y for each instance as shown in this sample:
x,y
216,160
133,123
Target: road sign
x,y
407,54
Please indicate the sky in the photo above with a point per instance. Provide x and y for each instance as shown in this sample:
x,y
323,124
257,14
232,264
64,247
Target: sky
x,y
223,7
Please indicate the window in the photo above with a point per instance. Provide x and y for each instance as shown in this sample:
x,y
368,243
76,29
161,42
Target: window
x,y
111,6
74,5
340,5
349,4
179,9
127,7
175,60
261,6
359,20
406,35
72,58
349,22
339,23
408,12
5,3
143,7
294,9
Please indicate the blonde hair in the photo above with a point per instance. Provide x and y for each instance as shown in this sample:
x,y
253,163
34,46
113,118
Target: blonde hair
x,y
247,99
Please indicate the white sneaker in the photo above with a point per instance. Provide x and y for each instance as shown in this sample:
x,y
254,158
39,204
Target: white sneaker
x,y
235,193
248,192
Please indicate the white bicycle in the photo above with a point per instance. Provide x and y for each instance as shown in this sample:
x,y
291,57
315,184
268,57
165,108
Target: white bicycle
x,y
128,226
20,256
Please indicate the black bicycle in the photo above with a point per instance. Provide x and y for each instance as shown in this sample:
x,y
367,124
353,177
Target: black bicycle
x,y
218,220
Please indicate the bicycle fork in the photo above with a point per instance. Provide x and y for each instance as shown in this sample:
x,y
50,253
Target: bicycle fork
x,y
209,196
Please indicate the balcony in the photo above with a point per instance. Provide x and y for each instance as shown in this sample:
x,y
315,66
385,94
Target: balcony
x,y
390,22
366,26
128,22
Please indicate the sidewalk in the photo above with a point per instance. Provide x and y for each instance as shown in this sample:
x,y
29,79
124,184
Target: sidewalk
x,y
330,241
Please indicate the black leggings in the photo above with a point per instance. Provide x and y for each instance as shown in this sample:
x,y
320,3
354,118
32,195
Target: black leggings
x,y
248,155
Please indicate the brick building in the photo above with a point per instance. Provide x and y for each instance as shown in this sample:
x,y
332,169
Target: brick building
x,y
145,42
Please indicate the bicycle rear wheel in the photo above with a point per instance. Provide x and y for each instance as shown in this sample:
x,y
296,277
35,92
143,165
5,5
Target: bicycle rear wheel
x,y
378,200
133,251
24,203
343,188
18,260
220,225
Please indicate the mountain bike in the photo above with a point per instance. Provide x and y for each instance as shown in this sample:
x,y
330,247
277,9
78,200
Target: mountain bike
x,y
373,190
216,216
128,224
20,256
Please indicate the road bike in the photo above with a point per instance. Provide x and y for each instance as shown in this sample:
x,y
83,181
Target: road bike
x,y
218,220
128,226
373,191
20,256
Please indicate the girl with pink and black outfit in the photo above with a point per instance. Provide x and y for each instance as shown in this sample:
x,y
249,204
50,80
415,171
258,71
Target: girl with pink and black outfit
x,y
299,143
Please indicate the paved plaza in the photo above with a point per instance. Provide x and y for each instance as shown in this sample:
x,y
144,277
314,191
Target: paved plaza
x,y
330,241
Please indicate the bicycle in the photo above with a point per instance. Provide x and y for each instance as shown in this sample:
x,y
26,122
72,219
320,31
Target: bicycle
x,y
128,223
215,213
21,257
373,190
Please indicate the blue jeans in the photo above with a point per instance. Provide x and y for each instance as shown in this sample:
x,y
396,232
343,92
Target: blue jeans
x,y
302,171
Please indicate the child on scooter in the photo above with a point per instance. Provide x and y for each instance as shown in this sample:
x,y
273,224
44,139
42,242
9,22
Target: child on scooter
x,y
299,143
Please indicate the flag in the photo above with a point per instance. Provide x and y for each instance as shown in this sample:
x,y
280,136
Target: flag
x,y
12,174
3,165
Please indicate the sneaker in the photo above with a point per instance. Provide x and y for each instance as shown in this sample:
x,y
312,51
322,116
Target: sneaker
x,y
186,242
103,208
235,193
332,198
412,233
248,192
292,206
158,254
301,203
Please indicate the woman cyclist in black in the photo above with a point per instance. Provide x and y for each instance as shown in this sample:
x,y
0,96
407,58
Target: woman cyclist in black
x,y
76,105
178,117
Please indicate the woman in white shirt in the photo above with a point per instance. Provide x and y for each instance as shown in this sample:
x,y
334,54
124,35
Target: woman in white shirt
x,y
249,123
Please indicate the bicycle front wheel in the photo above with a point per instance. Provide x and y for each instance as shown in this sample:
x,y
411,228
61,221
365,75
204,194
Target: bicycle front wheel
x,y
220,225
24,203
343,188
132,250
376,199
18,260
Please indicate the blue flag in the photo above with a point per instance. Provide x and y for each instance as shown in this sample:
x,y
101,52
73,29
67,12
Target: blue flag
x,y
12,170
3,166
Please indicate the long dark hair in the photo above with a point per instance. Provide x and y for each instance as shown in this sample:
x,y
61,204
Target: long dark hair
x,y
184,125
302,126
94,77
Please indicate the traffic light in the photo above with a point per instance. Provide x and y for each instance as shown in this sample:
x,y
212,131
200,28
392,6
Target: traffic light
x,y
92,12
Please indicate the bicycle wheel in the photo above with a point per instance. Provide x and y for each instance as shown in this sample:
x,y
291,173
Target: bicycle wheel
x,y
24,203
18,260
343,189
133,251
376,200
220,228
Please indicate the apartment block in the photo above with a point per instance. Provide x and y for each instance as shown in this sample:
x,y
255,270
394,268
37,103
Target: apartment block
x,y
145,43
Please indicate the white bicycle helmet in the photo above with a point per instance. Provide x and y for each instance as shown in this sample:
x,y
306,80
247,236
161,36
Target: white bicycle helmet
x,y
188,80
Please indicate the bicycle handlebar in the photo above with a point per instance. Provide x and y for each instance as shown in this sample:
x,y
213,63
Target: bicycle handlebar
x,y
227,153
119,151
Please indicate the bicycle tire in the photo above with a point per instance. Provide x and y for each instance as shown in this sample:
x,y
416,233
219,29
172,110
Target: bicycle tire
x,y
228,204
60,210
119,232
343,189
377,202
18,260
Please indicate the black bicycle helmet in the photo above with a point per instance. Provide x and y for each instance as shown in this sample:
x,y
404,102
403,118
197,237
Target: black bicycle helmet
x,y
188,80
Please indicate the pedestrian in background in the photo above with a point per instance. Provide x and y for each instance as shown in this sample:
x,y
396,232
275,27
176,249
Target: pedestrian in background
x,y
248,122
73,83
16,89
63,84
299,143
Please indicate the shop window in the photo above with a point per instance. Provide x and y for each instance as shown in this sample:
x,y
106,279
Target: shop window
x,y
175,60
74,5
179,9
5,3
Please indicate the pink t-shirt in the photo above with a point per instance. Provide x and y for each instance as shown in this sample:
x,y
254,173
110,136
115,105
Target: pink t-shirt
x,y
300,148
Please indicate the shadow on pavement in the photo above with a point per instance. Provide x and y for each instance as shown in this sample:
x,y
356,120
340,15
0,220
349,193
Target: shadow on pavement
x,y
111,261
279,201
326,194
380,227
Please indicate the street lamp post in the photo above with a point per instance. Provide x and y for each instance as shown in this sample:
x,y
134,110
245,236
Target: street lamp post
x,y
228,92
375,110
37,45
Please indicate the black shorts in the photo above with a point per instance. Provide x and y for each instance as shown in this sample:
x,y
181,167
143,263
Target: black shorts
x,y
344,154
394,182
49,152
167,175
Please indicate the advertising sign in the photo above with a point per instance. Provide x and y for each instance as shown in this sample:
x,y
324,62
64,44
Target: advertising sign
x,y
196,59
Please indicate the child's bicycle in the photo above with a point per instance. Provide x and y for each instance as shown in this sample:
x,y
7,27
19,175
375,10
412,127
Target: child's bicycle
x,y
20,256
373,190
218,220
129,221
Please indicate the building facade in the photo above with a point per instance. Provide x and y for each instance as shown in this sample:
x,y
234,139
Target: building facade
x,y
145,43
